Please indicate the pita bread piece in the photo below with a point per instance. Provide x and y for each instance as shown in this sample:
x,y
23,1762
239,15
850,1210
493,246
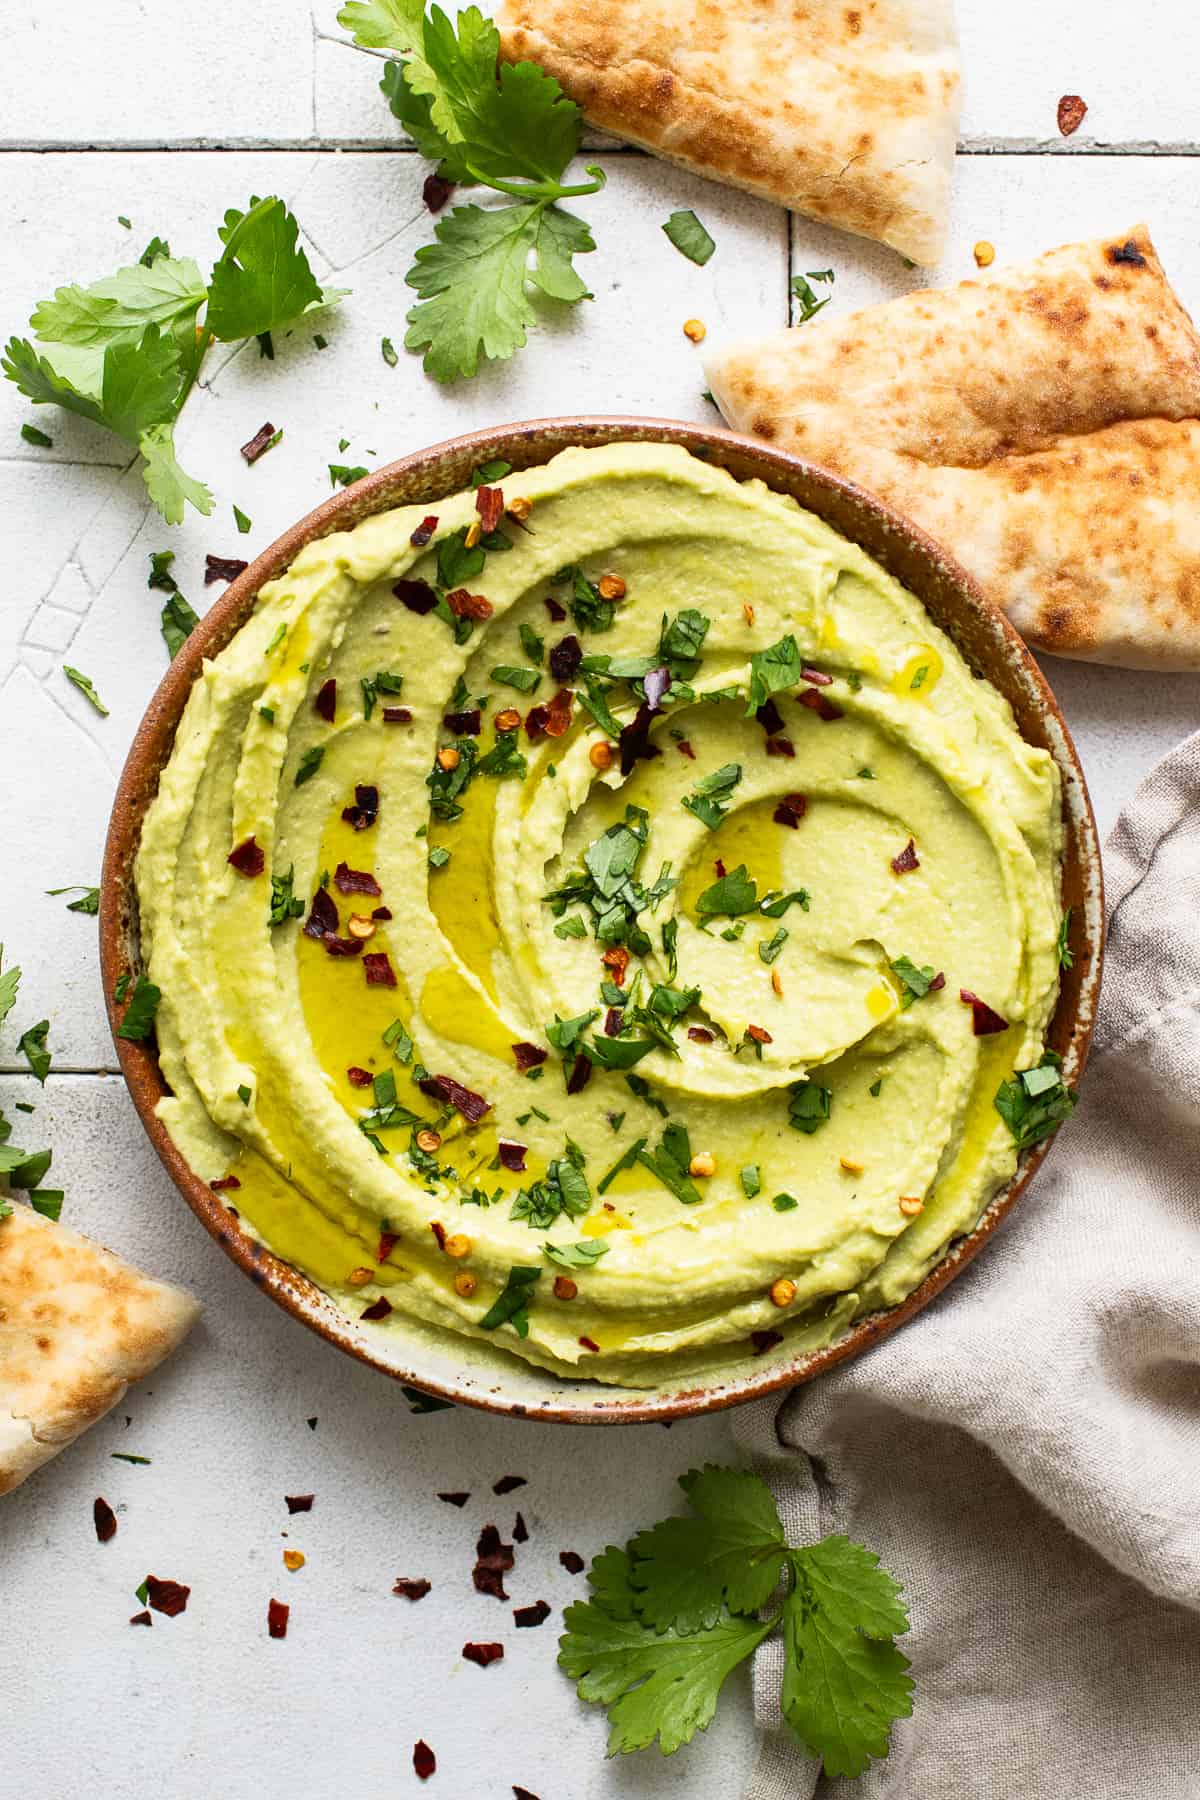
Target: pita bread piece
x,y
77,1325
847,112
1042,422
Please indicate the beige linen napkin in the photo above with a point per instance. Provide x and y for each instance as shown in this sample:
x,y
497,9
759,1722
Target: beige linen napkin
x,y
1025,1455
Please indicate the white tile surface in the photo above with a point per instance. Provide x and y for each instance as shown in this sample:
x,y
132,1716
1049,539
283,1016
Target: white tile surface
x,y
205,1705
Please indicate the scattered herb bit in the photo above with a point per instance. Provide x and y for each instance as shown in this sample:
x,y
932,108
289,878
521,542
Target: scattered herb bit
x,y
388,351
342,476
670,1616
511,1305
670,1164
178,622
32,1045
309,763
751,1180
710,797
241,520
772,671
32,435
729,896
915,983
88,901
689,236
920,677
1062,947
583,1255
509,675
48,1202
809,1106
1035,1102
865,774
806,299
81,681
139,1014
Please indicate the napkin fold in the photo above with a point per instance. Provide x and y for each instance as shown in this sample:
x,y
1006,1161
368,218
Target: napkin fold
x,y
1025,1455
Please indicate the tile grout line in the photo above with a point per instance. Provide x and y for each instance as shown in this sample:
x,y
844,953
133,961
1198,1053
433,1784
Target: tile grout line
x,y
983,146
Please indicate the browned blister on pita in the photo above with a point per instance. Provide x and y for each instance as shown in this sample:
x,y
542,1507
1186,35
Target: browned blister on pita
x,y
77,1325
1042,422
846,112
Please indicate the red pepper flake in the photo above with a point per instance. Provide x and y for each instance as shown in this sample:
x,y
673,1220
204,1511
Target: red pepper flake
x,y
483,1654
529,1056
512,1157
105,1520
616,961
612,1021
557,611
340,946
223,568
435,191
424,1761
1071,113
224,1183
765,1340
298,1503
507,1484
984,1018
780,746
535,722
468,606
581,1074
359,1078
571,1561
565,658
525,1617
907,861
791,810
142,1618
397,715
758,1034
938,982
472,1106
255,446
520,1530
439,1232
520,1793
248,858
322,919
699,1035
365,810
378,1309
719,866
417,595
587,1344
464,724
277,1619
354,881
378,970
817,677
169,1597
489,504
410,1587
381,912
770,718
493,1559
821,704
387,1243
325,704
424,532
455,1499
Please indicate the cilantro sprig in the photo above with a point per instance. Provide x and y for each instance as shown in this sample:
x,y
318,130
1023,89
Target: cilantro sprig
x,y
671,1615
127,351
510,129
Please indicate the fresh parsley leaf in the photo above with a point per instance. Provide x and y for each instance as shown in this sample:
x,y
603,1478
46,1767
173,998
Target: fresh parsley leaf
x,y
619,1052
729,1552
169,486
729,895
584,1255
512,675
31,434
914,982
806,299
670,1163
384,24
660,1685
769,950
710,797
809,1106
533,645
48,1202
1062,947
342,475
262,280
844,1681
773,906
167,292
511,1305
285,904
88,901
32,1045
139,1014
178,623
751,1180
689,236
1035,1102
83,683
309,763
771,671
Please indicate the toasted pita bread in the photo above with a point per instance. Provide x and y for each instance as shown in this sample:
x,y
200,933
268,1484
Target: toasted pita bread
x,y
847,112
77,1325
1042,422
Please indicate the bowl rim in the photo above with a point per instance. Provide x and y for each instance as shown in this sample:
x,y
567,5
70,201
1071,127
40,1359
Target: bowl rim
x,y
1072,1022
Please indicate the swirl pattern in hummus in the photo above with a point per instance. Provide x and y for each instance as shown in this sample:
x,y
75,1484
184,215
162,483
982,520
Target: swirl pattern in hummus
x,y
736,972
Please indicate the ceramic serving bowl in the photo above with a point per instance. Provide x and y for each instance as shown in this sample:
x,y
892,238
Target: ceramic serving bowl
x,y
456,1369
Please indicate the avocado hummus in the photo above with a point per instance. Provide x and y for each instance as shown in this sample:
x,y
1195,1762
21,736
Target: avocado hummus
x,y
594,915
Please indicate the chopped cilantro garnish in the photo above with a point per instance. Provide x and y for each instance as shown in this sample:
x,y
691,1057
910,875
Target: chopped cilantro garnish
x,y
806,299
770,949
382,682
341,475
751,1180
139,1016
771,671
573,927
1062,947
729,895
785,1203
774,905
309,763
439,857
243,1095
583,1255
284,903
32,1045
689,236
1035,1102
512,675
83,683
242,520
809,1106
511,1305
178,621
865,774
914,982
670,1164
709,798
88,901
388,351
398,1041
533,645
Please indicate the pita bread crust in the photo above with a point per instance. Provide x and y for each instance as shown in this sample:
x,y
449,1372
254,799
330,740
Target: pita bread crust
x,y
1043,422
77,1325
847,112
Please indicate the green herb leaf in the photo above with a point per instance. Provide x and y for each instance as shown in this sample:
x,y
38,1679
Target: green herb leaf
x,y
809,1106
914,982
48,1202
384,24
1035,1102
88,901
770,949
511,1305
242,520
807,302
285,904
139,1014
773,906
619,1052
689,236
169,486
730,1552
33,435
751,1180
262,280
772,671
166,292
32,1045
342,475
178,623
583,1255
729,895
511,675
1062,947
709,798
83,683
309,763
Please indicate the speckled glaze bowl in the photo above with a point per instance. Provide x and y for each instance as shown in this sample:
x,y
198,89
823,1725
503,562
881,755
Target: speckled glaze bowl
x,y
456,1369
